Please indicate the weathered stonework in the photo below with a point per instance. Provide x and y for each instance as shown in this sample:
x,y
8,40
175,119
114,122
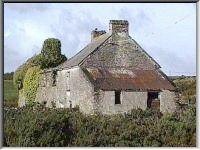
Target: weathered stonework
x,y
71,85
118,26
21,101
109,57
129,100
167,101
119,51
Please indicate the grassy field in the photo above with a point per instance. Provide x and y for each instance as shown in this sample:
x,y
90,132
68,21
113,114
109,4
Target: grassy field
x,y
10,94
187,88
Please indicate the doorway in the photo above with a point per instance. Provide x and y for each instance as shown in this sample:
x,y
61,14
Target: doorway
x,y
153,100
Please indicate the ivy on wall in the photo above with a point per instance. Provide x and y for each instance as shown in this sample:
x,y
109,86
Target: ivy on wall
x,y
27,76
31,83
20,73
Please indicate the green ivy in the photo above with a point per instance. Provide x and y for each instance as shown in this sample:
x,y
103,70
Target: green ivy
x,y
26,77
20,73
51,53
31,83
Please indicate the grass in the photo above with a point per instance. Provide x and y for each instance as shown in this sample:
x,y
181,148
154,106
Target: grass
x,y
187,88
10,94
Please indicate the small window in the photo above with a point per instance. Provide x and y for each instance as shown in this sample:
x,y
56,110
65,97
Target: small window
x,y
68,74
117,97
54,78
68,81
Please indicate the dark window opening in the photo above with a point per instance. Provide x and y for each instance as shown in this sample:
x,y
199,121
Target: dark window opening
x,y
54,77
117,97
153,100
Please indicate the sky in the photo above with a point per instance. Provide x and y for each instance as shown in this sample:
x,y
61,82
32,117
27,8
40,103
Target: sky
x,y
165,31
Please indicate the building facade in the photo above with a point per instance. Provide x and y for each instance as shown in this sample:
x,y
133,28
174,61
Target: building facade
x,y
112,74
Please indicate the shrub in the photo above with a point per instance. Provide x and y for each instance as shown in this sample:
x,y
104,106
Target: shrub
x,y
37,127
41,126
187,88
51,54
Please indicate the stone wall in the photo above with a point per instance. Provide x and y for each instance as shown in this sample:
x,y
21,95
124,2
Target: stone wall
x,y
105,101
71,85
120,51
21,101
167,101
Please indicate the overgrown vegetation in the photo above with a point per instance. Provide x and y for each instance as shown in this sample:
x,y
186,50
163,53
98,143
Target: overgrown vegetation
x,y
31,81
50,56
40,126
187,88
19,74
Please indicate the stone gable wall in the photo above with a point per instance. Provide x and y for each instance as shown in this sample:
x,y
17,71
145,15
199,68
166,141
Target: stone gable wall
x,y
119,51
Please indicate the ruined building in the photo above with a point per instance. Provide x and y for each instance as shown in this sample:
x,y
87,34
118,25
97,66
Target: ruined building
x,y
112,74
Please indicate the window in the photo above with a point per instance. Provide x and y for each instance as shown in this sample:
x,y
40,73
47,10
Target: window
x,y
117,97
68,74
67,82
54,78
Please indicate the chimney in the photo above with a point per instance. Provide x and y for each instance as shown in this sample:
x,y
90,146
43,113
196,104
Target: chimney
x,y
118,26
95,33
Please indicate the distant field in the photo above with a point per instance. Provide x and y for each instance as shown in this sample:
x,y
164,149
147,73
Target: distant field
x,y
10,94
187,88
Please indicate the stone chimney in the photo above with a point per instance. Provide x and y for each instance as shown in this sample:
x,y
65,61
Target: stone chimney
x,y
118,26
95,33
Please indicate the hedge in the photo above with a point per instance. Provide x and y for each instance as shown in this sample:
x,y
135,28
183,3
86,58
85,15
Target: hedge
x,y
40,126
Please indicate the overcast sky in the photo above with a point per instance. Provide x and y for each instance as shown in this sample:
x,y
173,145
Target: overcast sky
x,y
166,31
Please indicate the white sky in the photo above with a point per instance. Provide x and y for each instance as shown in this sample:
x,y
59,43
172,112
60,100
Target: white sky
x,y
166,31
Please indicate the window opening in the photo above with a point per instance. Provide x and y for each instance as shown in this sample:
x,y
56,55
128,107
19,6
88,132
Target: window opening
x,y
117,97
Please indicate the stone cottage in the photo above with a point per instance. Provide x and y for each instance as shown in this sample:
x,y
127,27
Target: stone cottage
x,y
112,74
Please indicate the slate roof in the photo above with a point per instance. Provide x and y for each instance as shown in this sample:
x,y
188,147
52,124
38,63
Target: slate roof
x,y
126,79
79,57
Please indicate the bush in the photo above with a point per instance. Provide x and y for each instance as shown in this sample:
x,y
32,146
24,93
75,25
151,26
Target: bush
x,y
51,54
187,88
40,126
37,127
